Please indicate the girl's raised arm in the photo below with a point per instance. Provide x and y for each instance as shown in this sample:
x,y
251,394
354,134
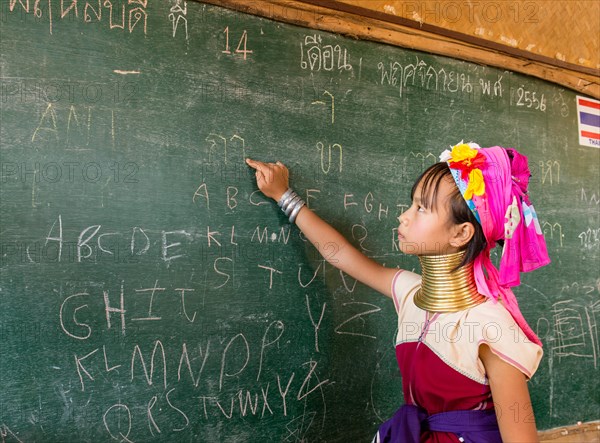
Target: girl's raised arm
x,y
272,180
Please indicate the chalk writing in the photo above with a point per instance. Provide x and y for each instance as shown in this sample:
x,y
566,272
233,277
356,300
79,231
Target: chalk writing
x,y
367,205
487,89
279,327
321,149
243,41
562,103
159,364
343,278
591,200
304,285
158,357
137,12
590,238
362,235
320,102
130,15
93,245
430,77
314,56
177,14
521,97
118,407
69,315
76,134
317,325
550,171
338,329
552,230
219,142
575,324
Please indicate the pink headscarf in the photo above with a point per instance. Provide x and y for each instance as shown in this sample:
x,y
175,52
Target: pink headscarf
x,y
494,183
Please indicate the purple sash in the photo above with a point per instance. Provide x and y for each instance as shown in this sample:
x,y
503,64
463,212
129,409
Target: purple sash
x,y
410,421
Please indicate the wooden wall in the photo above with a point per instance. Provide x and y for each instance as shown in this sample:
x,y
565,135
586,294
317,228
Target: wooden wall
x,y
566,31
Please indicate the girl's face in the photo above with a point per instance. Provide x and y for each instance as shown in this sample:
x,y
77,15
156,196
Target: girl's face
x,y
427,231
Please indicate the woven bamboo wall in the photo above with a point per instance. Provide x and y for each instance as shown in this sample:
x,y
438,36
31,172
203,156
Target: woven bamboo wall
x,y
565,30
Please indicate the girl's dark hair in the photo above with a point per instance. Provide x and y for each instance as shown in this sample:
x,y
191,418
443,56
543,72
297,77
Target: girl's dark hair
x,y
458,209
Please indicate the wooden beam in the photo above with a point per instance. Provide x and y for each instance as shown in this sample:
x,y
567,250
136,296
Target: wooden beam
x,y
579,433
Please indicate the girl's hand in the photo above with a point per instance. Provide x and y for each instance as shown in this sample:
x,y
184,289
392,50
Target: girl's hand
x,y
271,178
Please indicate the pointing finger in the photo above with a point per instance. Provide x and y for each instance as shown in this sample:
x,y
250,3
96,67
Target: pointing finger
x,y
259,166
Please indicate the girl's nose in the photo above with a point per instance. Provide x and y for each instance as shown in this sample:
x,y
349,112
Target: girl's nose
x,y
402,219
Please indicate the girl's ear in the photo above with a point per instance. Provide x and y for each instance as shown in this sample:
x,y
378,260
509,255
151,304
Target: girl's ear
x,y
462,234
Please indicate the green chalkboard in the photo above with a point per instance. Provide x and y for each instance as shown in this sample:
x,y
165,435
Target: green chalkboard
x,y
150,292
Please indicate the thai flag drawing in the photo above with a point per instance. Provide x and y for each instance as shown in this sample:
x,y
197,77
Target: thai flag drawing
x,y
588,118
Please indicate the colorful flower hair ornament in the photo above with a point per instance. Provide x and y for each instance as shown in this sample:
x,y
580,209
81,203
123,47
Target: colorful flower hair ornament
x,y
465,162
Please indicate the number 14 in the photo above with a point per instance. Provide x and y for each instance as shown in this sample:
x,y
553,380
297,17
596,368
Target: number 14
x,y
243,40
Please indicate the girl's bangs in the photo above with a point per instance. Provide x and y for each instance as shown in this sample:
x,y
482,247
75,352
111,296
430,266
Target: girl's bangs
x,y
430,180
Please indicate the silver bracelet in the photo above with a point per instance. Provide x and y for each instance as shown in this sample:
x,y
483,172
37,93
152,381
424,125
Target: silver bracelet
x,y
284,197
296,211
290,203
289,208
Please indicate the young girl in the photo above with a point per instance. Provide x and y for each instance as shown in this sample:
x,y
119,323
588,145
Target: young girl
x,y
464,350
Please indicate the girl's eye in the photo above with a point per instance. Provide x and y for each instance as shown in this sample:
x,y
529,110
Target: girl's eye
x,y
421,207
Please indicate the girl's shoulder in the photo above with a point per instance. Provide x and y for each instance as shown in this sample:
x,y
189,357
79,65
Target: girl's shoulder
x,y
404,284
496,327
